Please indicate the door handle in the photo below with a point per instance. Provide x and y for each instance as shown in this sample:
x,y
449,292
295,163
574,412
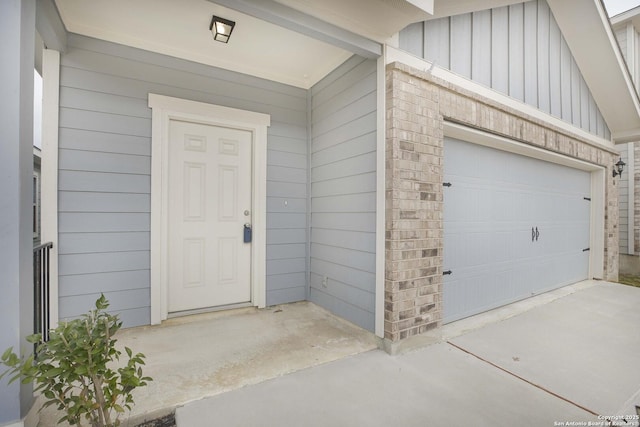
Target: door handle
x,y
537,234
533,234
247,233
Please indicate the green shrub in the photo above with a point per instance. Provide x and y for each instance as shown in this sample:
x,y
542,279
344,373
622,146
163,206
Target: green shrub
x,y
72,370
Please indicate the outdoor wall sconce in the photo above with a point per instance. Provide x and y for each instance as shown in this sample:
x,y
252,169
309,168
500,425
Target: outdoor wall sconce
x,y
221,28
619,167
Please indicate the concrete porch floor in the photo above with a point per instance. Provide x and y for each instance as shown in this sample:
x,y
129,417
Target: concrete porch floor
x,y
193,357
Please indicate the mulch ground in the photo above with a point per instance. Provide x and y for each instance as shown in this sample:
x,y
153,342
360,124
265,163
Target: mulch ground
x,y
166,421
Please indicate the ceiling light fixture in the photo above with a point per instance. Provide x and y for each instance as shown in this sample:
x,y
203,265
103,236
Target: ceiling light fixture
x,y
221,28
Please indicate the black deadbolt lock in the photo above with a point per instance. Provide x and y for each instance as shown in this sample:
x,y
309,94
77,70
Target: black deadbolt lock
x,y
247,233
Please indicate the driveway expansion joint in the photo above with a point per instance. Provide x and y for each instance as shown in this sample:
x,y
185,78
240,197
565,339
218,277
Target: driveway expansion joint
x,y
538,386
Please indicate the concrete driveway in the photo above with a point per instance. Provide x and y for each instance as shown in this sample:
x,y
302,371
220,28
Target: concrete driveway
x,y
569,357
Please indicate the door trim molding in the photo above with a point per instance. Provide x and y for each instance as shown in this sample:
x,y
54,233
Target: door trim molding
x,y
165,109
381,147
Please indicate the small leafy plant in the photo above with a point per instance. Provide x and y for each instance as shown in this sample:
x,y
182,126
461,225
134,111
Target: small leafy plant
x,y
72,370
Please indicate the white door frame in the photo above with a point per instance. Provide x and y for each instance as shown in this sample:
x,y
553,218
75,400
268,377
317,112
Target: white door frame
x,y
165,109
49,172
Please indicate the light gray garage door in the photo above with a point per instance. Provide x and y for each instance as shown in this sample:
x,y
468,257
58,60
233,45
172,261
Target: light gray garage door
x,y
514,227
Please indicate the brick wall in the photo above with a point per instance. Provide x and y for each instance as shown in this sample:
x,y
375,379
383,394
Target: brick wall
x,y
416,106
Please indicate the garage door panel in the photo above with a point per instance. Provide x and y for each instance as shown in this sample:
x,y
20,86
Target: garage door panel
x,y
458,252
468,197
559,271
497,199
469,249
468,252
477,292
524,251
504,246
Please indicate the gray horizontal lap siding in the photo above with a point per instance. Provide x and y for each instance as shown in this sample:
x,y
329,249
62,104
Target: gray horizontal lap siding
x,y
343,185
105,161
517,50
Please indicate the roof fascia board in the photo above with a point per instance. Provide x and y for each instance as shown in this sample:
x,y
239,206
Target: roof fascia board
x,y
596,51
629,17
624,16
50,26
286,17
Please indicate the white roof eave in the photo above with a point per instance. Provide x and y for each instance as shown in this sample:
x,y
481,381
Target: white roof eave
x,y
586,28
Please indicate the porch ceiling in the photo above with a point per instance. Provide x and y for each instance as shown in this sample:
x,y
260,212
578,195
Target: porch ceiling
x,y
181,29
294,42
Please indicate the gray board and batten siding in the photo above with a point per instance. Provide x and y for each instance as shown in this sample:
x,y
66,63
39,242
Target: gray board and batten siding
x,y
517,50
104,171
621,37
343,191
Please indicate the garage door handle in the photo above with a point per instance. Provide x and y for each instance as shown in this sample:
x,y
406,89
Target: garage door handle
x,y
537,234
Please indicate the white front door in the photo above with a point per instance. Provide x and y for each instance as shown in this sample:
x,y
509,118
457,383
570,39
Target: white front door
x,y
209,204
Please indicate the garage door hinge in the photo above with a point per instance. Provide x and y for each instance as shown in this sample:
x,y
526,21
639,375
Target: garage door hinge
x,y
587,249
446,273
587,198
446,184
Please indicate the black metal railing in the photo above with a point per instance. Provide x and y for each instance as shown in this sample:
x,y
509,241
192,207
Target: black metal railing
x,y
41,307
